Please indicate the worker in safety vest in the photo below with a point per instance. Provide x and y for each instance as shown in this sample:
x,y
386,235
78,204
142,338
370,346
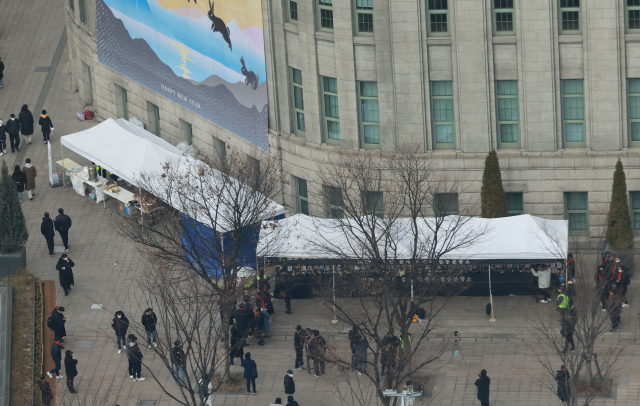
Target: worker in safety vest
x,y
563,303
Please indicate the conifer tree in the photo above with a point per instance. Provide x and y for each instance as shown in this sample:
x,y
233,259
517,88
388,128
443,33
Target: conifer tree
x,y
13,228
492,198
619,234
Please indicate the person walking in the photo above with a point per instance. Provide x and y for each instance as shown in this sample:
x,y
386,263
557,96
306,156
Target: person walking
x,y
20,180
47,126
389,353
267,320
236,349
291,402
179,360
13,128
1,73
48,230
149,321
70,369
56,356
563,303
250,372
26,123
3,138
544,282
65,272
361,346
45,389
562,378
622,281
299,338
614,308
287,301
63,224
567,332
317,348
289,384
56,323
120,324
30,172
483,382
136,358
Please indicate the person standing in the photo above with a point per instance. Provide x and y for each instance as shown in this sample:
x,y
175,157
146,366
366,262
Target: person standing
x,y
149,321
298,345
56,356
567,332
70,369
562,378
390,344
317,348
20,180
361,346
289,384
563,303
278,402
57,323
13,128
120,324
287,301
250,372
241,321
3,138
622,281
179,362
1,73
258,329
63,224
236,349
26,123
614,308
65,272
483,382
128,354
30,172
544,281
267,321
48,230
47,126
45,389
136,358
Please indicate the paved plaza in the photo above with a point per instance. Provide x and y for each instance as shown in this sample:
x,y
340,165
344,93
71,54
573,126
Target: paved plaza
x,y
33,49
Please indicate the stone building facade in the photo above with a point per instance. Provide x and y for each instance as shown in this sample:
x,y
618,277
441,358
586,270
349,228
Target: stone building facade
x,y
550,84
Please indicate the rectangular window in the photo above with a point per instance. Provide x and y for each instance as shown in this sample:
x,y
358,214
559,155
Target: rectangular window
x,y
633,100
570,15
153,114
330,110
292,10
364,16
89,82
442,124
369,114
84,13
301,196
335,202
122,103
633,15
577,212
438,17
71,5
445,204
186,132
374,204
503,17
297,101
514,203
220,148
635,210
507,113
573,112
325,14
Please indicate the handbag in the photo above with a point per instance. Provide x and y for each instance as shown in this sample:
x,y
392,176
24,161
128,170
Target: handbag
x,y
80,116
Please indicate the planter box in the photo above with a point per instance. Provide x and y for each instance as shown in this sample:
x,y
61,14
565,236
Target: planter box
x,y
12,264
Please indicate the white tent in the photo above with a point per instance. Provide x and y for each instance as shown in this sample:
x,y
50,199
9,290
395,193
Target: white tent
x,y
517,238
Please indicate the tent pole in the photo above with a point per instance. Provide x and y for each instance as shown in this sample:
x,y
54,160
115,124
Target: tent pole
x,y
333,273
491,296
62,155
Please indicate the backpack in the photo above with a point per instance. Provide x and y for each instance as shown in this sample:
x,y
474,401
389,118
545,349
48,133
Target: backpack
x,y
80,116
51,322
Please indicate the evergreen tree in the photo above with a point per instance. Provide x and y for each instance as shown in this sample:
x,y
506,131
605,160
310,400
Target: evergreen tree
x,y
492,198
619,233
13,228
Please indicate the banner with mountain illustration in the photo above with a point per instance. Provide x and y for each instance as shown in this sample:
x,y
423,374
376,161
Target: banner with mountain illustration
x,y
206,55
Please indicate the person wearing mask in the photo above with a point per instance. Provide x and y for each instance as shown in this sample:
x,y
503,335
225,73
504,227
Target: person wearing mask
x,y
317,349
65,272
250,372
571,267
70,369
45,389
57,323
483,382
47,126
236,349
56,356
361,346
289,384
26,123
136,358
299,338
120,324
291,402
20,180
622,281
63,224
544,282
30,172
149,321
179,362
390,344
48,230
562,378
13,128
128,354
3,138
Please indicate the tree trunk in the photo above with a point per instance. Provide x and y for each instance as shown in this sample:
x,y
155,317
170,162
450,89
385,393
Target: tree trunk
x,y
226,377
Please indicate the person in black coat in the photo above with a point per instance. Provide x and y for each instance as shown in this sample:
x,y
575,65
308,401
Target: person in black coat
x,y
120,324
562,378
291,402
1,73
45,123
149,321
59,321
3,138
250,372
26,123
179,360
236,349
65,271
71,370
56,356
483,383
13,128
19,178
48,229
242,321
289,384
135,357
622,281
63,224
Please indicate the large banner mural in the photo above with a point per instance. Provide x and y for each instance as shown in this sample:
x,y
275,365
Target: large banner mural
x,y
206,55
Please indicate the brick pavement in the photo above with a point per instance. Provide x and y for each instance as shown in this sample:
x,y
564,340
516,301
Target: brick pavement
x,y
108,267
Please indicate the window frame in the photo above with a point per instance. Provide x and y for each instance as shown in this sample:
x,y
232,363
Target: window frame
x,y
495,11
290,14
569,9
378,210
436,144
363,11
122,102
565,121
515,212
361,122
295,110
325,118
84,13
186,131
221,148
568,212
633,210
299,197
331,206
502,144
72,6
435,11
631,121
437,205
153,115
627,15
323,7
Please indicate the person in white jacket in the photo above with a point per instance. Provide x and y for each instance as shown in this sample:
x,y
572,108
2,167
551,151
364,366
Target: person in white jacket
x,y
544,281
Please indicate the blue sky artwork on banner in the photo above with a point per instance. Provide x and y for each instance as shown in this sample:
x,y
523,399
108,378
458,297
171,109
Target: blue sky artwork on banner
x,y
206,56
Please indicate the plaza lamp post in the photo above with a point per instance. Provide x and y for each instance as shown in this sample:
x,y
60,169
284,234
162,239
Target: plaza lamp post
x,y
392,393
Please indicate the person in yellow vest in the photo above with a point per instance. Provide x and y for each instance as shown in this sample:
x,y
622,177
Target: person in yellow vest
x,y
563,303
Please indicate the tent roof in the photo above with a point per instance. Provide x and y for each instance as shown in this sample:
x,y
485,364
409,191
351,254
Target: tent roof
x,y
521,238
